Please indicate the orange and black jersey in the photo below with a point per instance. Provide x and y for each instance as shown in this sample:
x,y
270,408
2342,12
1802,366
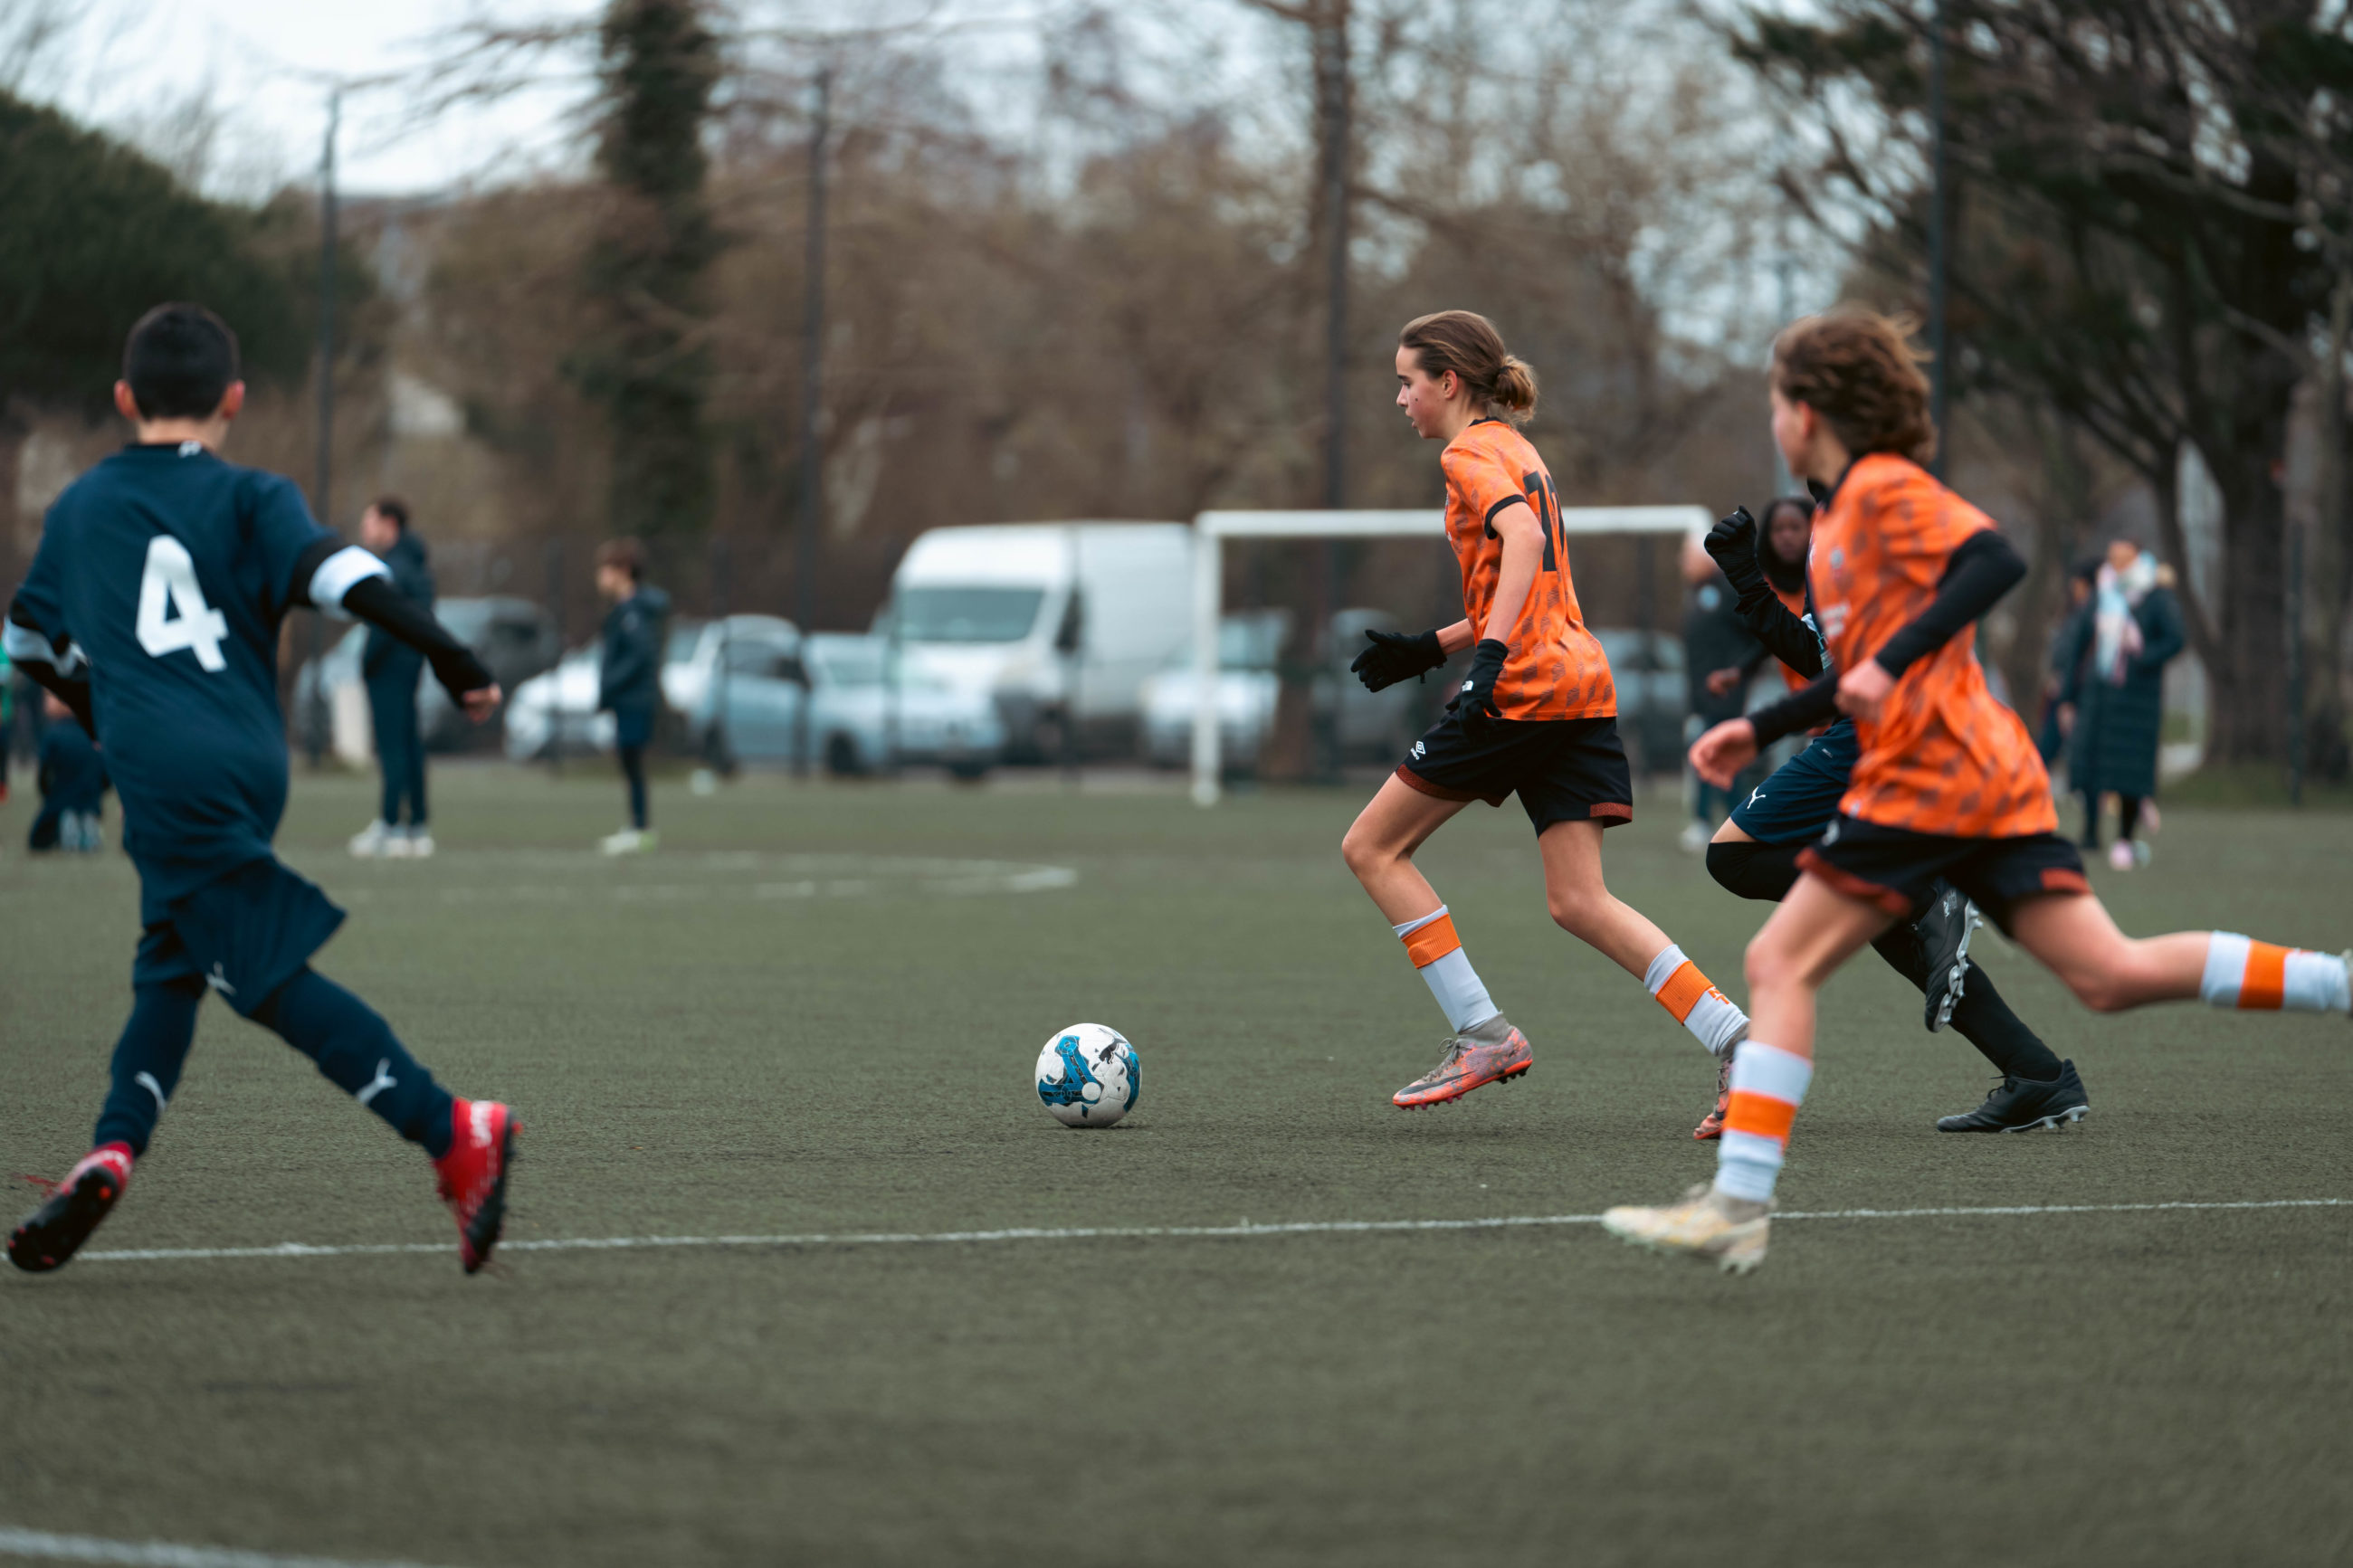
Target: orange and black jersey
x,y
1944,757
1556,668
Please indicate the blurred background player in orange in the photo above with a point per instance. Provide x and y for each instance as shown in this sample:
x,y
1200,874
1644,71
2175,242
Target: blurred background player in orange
x,y
1947,785
1537,715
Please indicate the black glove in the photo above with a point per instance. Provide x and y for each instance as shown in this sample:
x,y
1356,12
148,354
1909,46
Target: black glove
x,y
1474,703
1732,545
1396,654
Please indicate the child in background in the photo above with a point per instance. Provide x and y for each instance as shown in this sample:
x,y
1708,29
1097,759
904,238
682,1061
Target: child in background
x,y
73,786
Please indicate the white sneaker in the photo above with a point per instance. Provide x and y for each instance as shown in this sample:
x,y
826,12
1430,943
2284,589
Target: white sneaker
x,y
368,842
628,841
1696,838
1707,1225
2120,855
420,844
2141,853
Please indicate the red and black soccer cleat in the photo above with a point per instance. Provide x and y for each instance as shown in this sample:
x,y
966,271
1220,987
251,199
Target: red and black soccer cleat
x,y
54,1232
472,1175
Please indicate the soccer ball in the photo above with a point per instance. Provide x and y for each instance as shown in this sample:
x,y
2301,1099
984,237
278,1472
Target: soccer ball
x,y
1086,1075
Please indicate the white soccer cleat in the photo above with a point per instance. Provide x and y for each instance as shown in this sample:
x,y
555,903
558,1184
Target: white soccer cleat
x,y
1705,1226
369,842
628,841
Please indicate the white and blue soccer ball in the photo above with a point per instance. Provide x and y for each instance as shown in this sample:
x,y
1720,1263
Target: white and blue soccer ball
x,y
1086,1075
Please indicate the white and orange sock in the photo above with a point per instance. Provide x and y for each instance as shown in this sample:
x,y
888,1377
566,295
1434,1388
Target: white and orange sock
x,y
1768,1084
2243,972
1695,1004
1437,952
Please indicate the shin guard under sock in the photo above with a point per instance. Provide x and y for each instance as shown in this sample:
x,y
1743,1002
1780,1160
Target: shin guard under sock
x,y
1981,1016
355,1049
2241,973
1437,953
1768,1084
1692,1002
147,1061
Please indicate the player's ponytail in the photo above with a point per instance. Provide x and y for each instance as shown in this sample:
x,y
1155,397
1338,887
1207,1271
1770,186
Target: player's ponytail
x,y
1469,345
1859,371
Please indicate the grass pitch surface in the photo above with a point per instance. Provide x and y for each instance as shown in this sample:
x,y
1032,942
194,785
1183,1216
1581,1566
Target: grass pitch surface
x,y
813,1012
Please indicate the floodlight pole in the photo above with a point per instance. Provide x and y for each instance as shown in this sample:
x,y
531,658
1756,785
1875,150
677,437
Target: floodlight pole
x,y
1939,242
322,492
1334,39
812,390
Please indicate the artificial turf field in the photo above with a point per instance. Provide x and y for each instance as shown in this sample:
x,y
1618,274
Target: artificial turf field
x,y
812,1013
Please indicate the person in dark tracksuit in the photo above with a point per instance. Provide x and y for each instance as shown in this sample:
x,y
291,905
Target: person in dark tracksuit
x,y
392,670
629,679
1716,642
73,787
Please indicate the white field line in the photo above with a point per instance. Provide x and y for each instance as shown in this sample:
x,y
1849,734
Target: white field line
x,y
1245,1230
160,1553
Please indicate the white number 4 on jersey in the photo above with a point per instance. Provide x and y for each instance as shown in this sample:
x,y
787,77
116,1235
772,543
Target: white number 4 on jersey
x,y
172,614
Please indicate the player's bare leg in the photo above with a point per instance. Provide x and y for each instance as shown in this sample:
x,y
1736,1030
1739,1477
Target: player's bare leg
x,y
1728,1222
1379,846
1582,905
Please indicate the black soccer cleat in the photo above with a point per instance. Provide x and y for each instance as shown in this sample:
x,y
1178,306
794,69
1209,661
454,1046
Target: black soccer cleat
x,y
1944,932
2020,1105
54,1232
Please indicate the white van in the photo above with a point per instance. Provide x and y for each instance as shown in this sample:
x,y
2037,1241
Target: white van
x,y
1056,622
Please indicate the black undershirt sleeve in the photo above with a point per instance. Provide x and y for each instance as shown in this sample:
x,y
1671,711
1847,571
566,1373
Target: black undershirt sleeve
x,y
1977,575
376,601
1803,709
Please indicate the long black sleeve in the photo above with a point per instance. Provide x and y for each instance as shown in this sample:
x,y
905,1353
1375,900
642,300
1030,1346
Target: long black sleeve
x,y
1976,575
376,601
1787,636
1801,710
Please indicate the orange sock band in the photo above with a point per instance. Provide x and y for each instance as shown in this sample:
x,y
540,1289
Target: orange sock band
x,y
1427,944
1761,1114
1683,991
2265,983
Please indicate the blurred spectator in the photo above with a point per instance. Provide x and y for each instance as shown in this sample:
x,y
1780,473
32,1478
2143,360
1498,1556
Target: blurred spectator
x,y
2069,648
629,679
73,785
2132,631
392,670
1721,653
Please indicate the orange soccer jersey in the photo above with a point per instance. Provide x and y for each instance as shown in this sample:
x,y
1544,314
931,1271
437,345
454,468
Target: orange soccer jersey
x,y
1944,757
1556,668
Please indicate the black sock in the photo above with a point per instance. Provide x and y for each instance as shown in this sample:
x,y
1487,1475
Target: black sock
x,y
356,1050
1981,1018
147,1061
1762,871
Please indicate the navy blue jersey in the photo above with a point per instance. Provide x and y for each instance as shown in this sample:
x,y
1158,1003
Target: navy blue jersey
x,y
166,572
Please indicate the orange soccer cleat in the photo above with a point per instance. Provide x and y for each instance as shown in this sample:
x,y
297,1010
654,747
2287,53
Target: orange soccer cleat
x,y
1492,1052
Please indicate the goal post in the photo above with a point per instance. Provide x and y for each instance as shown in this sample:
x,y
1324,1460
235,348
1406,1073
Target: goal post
x,y
1212,529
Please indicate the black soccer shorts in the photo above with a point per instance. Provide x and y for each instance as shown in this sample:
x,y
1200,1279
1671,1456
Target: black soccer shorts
x,y
1894,868
1563,770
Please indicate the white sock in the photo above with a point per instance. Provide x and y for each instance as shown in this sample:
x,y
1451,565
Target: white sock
x,y
1768,1084
1437,952
1694,1003
2242,973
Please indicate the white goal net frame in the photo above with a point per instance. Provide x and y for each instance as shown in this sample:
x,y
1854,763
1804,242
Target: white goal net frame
x,y
1212,529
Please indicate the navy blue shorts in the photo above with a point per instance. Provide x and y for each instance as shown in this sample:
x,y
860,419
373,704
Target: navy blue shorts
x,y
1802,796
1895,868
1563,770
245,933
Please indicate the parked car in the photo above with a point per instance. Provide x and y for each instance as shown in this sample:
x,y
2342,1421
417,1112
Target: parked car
x,y
1653,695
1373,725
1056,623
860,718
514,638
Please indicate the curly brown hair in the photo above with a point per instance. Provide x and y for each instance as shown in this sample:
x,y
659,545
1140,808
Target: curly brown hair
x,y
1859,371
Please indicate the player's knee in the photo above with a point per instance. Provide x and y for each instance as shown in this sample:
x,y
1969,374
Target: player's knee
x,y
1364,852
1766,962
1728,862
1575,910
